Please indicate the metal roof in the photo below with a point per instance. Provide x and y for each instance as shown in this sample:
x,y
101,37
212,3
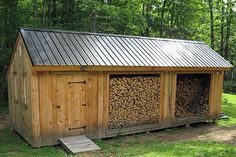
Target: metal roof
x,y
56,47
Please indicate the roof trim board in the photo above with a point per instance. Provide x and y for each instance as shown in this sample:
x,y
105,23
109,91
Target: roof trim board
x,y
127,68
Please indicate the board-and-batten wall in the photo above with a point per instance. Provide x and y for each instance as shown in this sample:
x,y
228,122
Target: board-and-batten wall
x,y
51,99
52,111
38,101
19,91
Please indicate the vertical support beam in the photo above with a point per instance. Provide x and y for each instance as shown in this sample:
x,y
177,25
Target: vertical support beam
x,y
106,101
101,130
215,94
173,95
168,98
89,108
162,87
219,93
35,110
95,104
165,100
212,94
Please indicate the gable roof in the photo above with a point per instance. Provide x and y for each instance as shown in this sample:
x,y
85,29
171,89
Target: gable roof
x,y
56,47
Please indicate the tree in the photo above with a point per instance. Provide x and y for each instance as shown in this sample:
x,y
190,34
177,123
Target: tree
x,y
222,28
228,28
211,23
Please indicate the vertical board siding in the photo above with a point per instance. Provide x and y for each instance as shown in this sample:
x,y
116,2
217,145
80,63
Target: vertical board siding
x,y
173,95
89,97
219,93
168,94
36,129
100,104
103,97
63,107
215,94
212,94
94,115
19,90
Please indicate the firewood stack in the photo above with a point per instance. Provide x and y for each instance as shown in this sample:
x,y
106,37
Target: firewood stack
x,y
134,101
192,96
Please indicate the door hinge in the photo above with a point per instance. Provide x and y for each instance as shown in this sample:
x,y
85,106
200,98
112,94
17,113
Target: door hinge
x,y
83,127
77,82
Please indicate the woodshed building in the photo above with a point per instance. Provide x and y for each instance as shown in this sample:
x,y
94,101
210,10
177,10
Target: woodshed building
x,y
64,83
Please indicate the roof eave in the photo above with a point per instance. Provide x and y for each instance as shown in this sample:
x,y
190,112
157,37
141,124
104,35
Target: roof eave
x,y
126,68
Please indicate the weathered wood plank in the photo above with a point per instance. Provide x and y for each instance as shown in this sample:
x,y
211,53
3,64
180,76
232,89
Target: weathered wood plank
x,y
212,95
106,101
219,93
48,96
35,110
162,87
173,96
100,111
43,108
166,100
89,114
77,144
95,104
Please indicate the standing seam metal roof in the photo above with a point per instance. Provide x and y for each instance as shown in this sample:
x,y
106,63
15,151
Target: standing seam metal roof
x,y
56,47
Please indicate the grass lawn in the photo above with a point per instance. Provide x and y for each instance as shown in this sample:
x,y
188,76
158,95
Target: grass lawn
x,y
138,145
229,108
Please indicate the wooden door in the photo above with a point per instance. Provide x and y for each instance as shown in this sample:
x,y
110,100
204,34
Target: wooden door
x,y
77,104
71,105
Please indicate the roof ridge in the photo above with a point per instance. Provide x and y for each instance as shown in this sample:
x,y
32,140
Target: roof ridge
x,y
115,35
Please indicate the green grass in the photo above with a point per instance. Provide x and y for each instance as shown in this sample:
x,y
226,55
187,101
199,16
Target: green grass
x,y
155,148
12,145
229,108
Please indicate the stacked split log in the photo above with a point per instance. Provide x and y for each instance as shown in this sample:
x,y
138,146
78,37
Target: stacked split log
x,y
134,101
192,95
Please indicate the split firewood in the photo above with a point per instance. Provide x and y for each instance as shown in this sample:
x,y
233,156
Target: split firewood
x,y
134,101
192,96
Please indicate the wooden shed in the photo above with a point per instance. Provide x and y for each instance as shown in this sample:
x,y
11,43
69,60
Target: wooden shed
x,y
64,83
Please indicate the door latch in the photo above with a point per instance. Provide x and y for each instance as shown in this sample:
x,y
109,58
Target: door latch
x,y
83,127
77,82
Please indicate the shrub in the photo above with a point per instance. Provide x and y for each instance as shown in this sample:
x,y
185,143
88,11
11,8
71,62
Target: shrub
x,y
230,87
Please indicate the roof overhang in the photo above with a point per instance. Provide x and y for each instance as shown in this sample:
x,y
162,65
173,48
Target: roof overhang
x,y
126,68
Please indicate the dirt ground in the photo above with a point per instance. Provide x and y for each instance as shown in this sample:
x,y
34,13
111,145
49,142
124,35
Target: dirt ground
x,y
200,131
4,121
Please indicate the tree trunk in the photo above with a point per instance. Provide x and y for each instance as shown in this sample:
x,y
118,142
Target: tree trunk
x,y
222,29
54,12
94,21
172,13
44,12
148,18
142,32
71,13
162,18
228,25
211,22
6,20
35,8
